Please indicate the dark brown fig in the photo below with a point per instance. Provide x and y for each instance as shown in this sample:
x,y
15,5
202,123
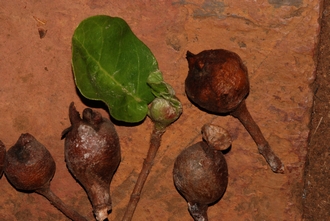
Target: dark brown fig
x,y
30,167
200,171
92,154
218,82
2,157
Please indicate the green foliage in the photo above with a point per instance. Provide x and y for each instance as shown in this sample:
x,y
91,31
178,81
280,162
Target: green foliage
x,y
111,64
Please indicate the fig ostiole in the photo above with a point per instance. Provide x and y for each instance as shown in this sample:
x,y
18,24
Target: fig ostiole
x,y
30,167
218,82
200,171
92,155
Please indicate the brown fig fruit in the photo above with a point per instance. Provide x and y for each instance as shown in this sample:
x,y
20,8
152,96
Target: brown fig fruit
x,y
30,167
2,157
200,171
92,154
218,82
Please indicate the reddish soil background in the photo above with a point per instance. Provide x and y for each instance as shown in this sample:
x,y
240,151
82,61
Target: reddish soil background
x,y
316,192
277,41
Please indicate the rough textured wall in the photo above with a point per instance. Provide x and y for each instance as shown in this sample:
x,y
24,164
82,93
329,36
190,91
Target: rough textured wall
x,y
275,39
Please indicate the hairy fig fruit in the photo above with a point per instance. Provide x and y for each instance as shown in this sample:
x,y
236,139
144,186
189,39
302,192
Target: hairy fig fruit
x,y
30,167
200,171
92,154
218,82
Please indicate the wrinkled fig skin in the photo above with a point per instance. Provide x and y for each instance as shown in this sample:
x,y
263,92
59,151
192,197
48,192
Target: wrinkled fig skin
x,y
2,157
218,82
92,154
29,165
201,175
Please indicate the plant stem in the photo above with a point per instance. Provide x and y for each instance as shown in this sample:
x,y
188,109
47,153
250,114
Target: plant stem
x,y
147,165
243,115
59,204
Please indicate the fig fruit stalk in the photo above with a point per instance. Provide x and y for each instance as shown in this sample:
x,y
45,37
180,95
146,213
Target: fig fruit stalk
x,y
92,154
30,167
200,171
163,111
218,82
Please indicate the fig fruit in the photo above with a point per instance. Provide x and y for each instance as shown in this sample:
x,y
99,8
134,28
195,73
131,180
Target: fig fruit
x,y
30,167
92,155
200,171
218,82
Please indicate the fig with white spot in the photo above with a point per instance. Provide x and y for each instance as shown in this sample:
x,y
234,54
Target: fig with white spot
x,y
92,154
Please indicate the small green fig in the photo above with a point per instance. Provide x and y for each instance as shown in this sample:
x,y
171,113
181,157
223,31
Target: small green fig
x,y
163,112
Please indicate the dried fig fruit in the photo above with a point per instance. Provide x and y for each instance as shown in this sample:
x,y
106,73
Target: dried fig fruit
x,y
200,171
30,167
92,154
218,82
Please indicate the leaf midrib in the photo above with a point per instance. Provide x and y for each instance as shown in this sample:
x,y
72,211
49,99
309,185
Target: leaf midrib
x,y
106,72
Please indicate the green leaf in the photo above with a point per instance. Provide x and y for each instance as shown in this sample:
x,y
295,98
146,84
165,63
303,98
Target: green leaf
x,y
112,65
